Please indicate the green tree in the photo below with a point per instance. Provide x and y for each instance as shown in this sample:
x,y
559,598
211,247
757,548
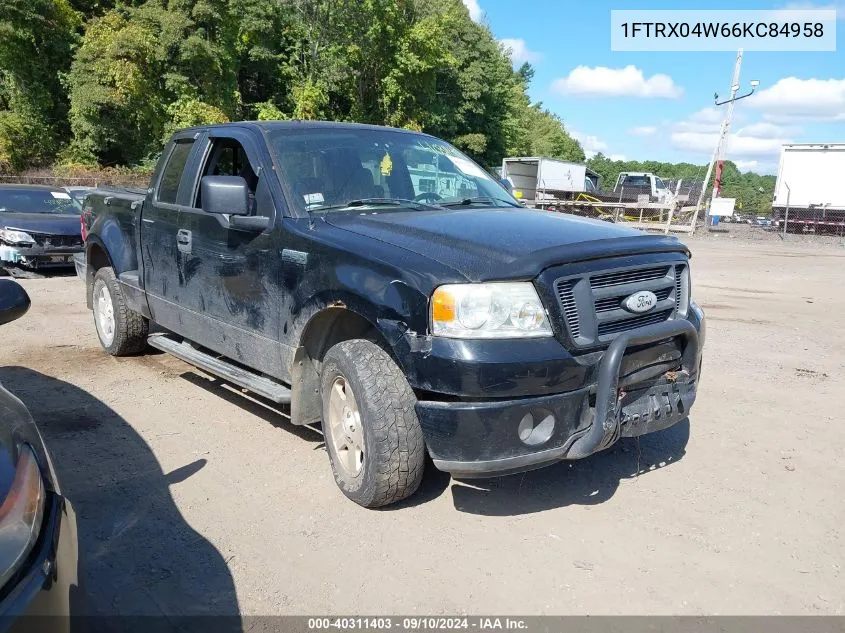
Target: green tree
x,y
36,41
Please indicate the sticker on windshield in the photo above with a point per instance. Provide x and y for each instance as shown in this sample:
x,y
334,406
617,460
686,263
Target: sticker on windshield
x,y
386,165
466,167
59,195
314,198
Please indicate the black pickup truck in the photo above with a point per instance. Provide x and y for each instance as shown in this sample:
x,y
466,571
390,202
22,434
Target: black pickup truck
x,y
382,283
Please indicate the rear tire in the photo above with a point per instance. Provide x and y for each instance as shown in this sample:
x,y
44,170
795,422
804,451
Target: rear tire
x,y
121,331
373,436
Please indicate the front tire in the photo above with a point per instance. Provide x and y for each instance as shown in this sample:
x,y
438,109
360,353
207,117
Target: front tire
x,y
373,436
120,330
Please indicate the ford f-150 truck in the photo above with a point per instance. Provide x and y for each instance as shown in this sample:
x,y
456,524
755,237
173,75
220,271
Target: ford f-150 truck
x,y
383,284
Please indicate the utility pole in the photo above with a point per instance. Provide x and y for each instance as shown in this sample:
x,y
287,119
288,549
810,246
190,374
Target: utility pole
x,y
719,152
722,146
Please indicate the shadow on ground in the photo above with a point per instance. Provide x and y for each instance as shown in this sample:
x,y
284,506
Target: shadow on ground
x,y
587,481
583,482
138,555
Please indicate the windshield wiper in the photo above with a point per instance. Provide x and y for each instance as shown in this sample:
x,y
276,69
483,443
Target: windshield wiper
x,y
476,200
376,202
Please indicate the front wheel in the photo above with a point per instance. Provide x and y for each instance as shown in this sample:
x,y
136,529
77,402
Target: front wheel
x,y
373,436
120,330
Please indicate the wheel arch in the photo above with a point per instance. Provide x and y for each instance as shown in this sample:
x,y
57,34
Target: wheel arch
x,y
96,257
327,326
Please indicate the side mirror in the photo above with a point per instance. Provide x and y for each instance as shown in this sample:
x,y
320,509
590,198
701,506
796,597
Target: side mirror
x,y
224,194
507,185
14,302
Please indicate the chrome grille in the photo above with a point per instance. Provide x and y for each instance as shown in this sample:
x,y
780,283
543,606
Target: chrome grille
x,y
57,241
615,302
570,309
591,305
614,327
628,277
679,275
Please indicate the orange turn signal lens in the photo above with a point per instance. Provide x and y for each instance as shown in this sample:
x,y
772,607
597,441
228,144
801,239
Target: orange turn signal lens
x,y
442,306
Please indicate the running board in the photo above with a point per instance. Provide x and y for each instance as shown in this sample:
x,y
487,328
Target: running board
x,y
256,383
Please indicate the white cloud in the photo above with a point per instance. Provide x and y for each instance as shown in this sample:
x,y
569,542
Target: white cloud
x,y
474,9
740,146
592,144
519,51
621,157
643,130
746,165
707,115
764,129
805,7
792,98
752,146
601,81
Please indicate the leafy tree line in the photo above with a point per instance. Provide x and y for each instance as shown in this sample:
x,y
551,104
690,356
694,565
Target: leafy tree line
x,y
753,192
105,82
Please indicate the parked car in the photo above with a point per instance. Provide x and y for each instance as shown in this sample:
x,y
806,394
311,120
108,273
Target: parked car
x,y
39,226
38,557
313,264
78,193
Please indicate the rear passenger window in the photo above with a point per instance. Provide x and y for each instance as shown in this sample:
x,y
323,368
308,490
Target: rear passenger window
x,y
169,185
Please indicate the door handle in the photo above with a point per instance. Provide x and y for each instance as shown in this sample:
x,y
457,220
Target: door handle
x,y
183,240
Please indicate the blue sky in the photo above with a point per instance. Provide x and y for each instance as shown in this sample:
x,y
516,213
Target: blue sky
x,y
659,105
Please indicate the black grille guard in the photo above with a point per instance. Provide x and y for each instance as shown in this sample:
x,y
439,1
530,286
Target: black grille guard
x,y
605,427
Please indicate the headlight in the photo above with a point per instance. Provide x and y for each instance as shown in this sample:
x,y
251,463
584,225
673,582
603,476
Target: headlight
x,y
491,310
16,237
20,515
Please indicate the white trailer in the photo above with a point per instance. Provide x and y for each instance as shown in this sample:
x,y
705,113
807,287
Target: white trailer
x,y
538,179
810,188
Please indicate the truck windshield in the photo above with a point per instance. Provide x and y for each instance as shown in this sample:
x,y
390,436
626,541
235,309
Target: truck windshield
x,y
636,181
15,200
329,168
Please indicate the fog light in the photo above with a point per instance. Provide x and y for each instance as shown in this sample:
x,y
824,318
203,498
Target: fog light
x,y
534,433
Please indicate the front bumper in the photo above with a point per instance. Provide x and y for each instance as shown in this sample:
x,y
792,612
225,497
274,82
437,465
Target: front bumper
x,y
478,439
48,583
38,256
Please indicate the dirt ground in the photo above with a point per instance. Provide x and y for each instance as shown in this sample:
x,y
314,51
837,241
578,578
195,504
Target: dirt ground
x,y
194,499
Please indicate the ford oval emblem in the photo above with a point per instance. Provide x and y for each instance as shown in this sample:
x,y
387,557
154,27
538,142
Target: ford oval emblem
x,y
640,302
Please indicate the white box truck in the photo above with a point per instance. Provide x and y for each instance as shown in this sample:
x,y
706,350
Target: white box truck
x,y
810,188
536,179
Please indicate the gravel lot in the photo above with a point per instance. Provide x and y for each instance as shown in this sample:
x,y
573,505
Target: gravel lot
x,y
194,499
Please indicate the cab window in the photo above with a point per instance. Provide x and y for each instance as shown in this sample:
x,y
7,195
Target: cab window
x,y
168,186
227,157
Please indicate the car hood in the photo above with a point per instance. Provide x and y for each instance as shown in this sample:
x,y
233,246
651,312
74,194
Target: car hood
x,y
489,244
41,223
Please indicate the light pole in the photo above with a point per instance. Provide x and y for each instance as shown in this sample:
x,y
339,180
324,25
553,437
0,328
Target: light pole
x,y
721,146
786,215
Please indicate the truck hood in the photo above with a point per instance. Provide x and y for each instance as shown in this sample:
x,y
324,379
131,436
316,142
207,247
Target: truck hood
x,y
489,244
41,223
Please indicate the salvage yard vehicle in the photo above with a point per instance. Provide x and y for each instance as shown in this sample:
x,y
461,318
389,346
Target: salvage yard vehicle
x,y
39,226
311,264
39,556
632,184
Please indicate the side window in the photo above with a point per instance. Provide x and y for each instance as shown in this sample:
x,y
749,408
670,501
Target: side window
x,y
228,158
168,187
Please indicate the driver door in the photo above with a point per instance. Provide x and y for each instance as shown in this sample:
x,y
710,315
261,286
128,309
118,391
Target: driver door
x,y
230,275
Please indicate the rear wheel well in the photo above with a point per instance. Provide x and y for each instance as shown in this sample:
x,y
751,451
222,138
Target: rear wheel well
x,y
96,259
324,330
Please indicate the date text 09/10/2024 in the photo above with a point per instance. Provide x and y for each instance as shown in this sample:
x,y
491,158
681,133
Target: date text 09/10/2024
x,y
416,623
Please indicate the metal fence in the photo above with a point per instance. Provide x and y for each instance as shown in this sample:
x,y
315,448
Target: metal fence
x,y
128,179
